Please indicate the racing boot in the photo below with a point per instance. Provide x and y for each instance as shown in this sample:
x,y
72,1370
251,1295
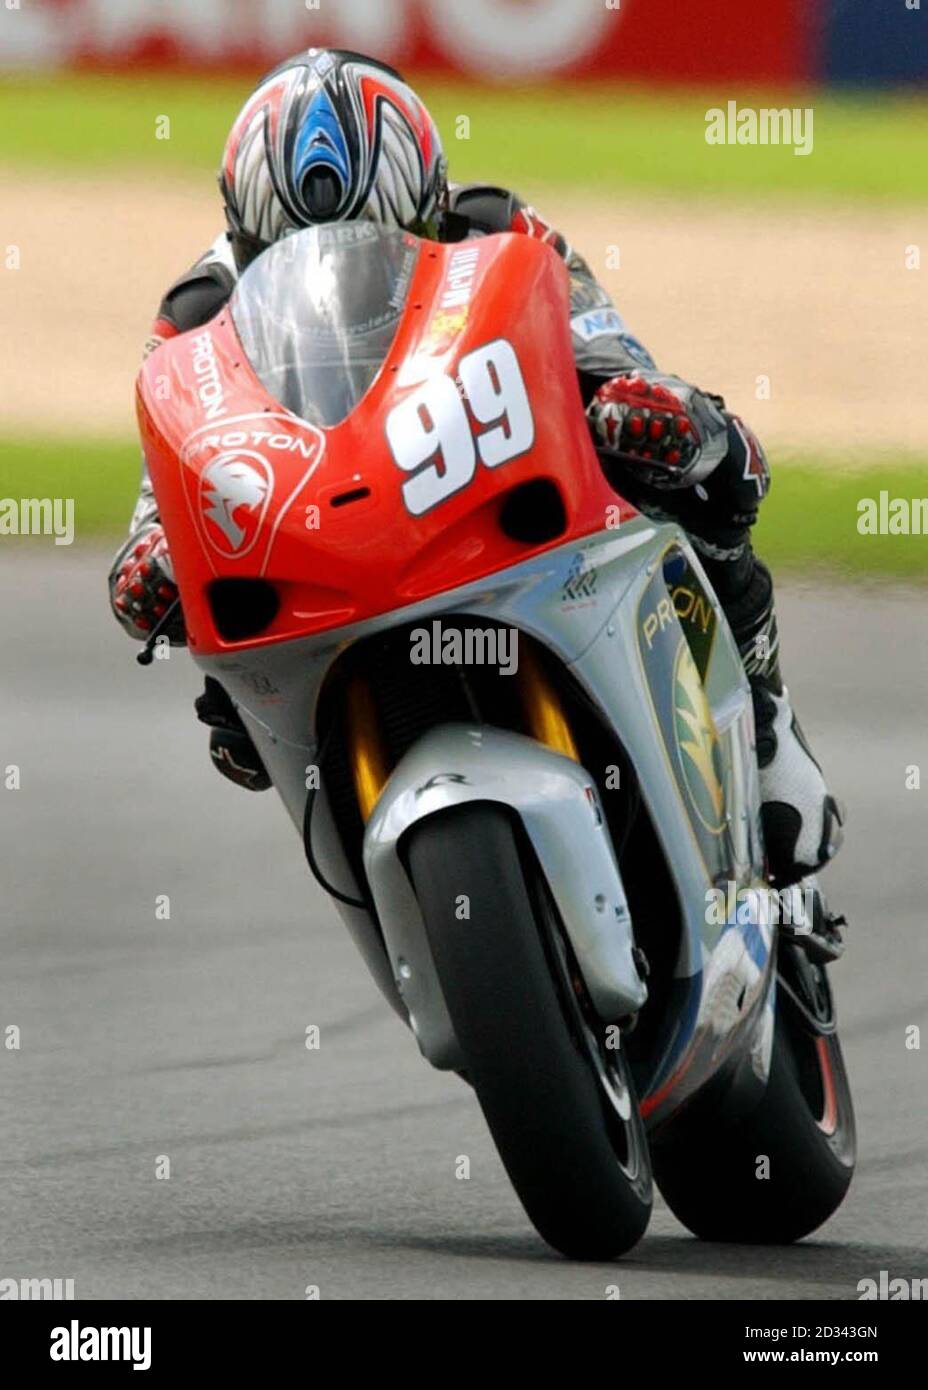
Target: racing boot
x,y
802,821
230,745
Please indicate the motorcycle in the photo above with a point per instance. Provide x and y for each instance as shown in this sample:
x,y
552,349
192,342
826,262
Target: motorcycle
x,y
507,717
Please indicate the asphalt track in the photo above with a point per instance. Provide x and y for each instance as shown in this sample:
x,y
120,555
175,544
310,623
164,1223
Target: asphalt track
x,y
335,1168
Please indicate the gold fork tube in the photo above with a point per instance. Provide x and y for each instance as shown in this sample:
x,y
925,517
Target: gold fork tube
x,y
369,769
544,712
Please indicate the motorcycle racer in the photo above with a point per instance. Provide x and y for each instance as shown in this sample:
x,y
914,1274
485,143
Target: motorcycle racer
x,y
330,136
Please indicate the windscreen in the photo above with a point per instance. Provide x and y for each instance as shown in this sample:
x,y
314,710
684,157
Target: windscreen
x,y
318,312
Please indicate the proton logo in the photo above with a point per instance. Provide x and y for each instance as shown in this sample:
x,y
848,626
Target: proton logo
x,y
235,490
697,741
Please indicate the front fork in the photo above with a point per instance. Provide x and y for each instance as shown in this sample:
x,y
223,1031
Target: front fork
x,y
542,709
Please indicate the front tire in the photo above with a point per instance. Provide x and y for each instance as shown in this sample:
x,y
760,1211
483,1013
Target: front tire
x,y
562,1111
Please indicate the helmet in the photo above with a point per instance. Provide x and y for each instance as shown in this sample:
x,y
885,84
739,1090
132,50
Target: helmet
x,y
330,136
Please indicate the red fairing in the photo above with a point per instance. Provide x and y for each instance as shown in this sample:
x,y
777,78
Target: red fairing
x,y
344,522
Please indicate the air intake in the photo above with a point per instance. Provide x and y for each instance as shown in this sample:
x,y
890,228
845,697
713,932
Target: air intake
x,y
533,513
242,608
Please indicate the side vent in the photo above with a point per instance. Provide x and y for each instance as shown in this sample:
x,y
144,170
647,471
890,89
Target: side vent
x,y
344,498
242,608
534,513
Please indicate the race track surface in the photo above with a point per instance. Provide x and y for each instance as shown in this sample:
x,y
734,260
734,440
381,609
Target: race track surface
x,y
336,1168
808,297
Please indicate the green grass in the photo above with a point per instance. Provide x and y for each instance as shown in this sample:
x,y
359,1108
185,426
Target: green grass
x,y
101,475
601,137
808,523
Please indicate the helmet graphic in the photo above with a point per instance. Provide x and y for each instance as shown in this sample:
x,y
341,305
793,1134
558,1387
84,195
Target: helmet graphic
x,y
330,136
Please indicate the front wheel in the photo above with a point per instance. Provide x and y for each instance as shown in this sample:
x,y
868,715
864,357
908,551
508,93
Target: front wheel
x,y
559,1102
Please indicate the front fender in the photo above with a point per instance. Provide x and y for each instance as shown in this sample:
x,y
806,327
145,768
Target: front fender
x,y
558,807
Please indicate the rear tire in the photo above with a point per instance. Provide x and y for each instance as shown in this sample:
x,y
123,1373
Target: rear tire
x,y
563,1114
708,1170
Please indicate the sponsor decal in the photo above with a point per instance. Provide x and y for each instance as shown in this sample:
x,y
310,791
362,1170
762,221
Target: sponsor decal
x,y
677,624
597,323
688,601
235,491
252,439
697,742
580,584
234,473
657,619
206,369
693,605
698,619
458,288
636,350
445,326
401,288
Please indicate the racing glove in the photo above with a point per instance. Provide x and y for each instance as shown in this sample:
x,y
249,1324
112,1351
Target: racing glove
x,y
142,587
668,433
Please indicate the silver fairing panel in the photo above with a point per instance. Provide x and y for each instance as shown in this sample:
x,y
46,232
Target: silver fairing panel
x,y
604,608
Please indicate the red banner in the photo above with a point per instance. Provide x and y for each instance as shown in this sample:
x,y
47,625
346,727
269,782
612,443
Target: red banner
x,y
687,41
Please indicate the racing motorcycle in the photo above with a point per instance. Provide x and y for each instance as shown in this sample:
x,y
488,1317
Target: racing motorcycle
x,y
377,481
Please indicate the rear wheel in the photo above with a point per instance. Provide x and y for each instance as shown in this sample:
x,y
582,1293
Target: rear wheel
x,y
712,1173
559,1102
